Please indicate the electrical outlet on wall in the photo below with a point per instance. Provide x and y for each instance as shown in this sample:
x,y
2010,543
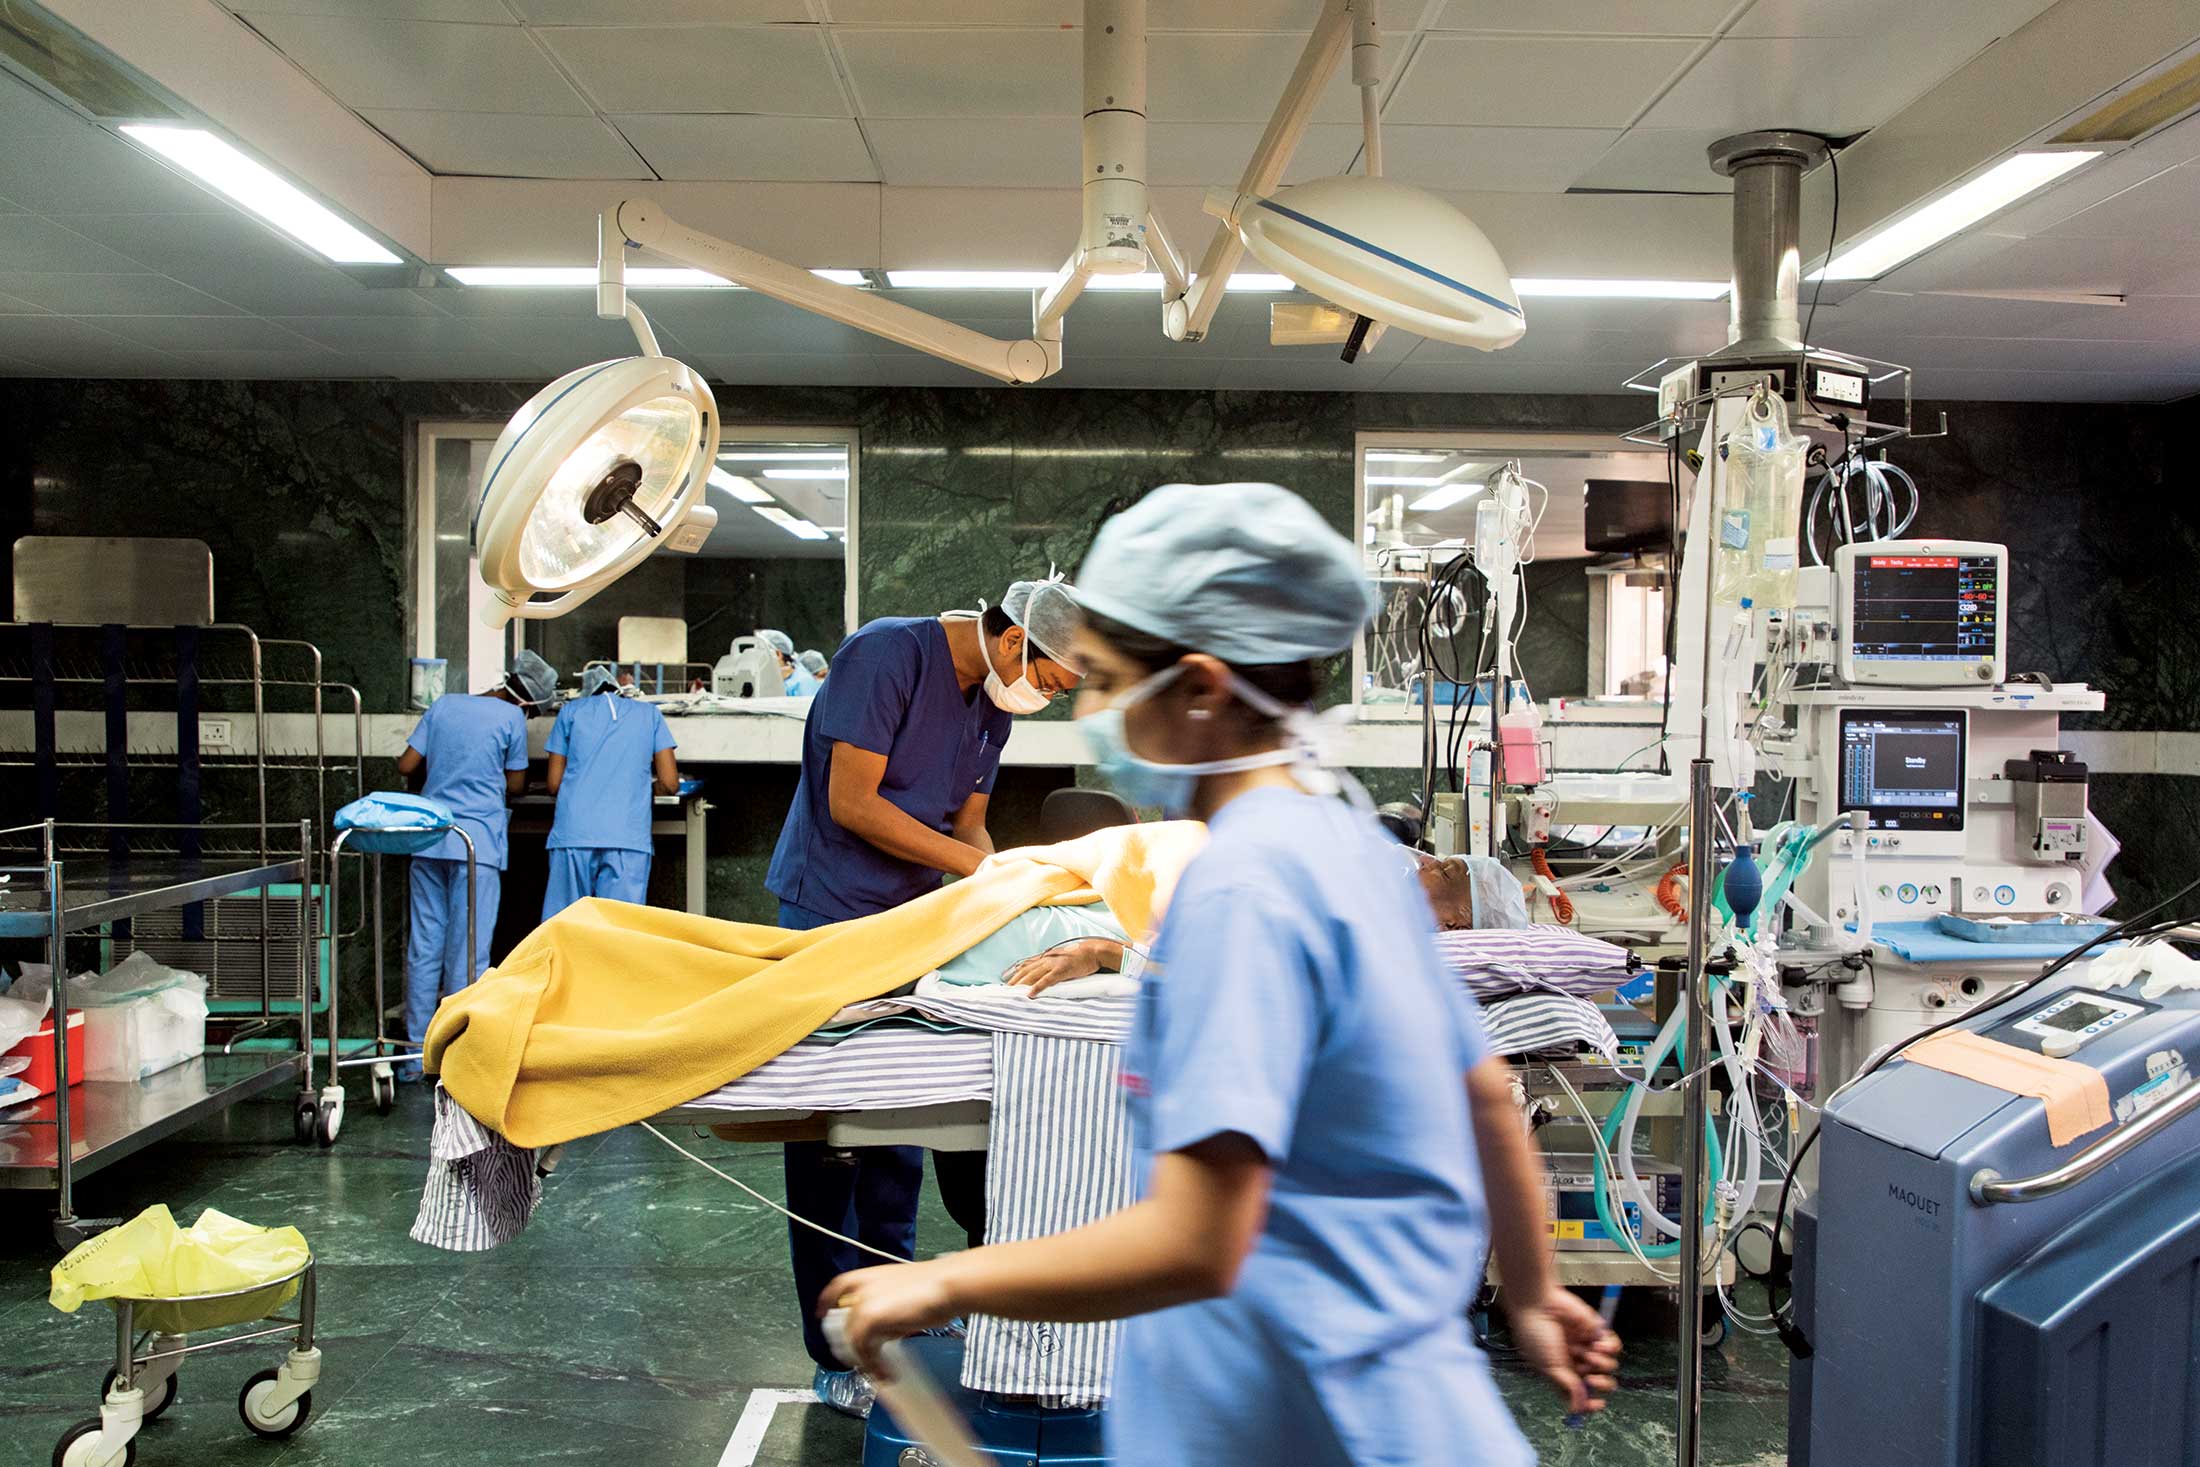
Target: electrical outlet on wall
x,y
216,733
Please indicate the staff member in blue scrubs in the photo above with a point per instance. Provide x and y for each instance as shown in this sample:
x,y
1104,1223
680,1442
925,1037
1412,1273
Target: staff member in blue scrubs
x,y
608,755
898,760
1324,1139
473,748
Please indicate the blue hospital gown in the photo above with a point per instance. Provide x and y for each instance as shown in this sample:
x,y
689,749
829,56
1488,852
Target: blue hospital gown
x,y
1296,999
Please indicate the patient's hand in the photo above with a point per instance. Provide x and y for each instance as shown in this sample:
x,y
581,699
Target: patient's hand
x,y
1079,959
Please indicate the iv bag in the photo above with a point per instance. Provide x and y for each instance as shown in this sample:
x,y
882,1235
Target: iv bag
x,y
1760,506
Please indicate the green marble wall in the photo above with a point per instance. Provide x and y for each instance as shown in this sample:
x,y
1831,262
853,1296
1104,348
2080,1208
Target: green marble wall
x,y
301,489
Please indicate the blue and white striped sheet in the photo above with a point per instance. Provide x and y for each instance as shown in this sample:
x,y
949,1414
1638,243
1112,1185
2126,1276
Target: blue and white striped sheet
x,y
885,1067
1495,962
481,1188
1531,1023
1061,1158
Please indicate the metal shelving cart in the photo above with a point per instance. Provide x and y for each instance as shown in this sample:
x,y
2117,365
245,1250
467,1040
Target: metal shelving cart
x,y
54,1140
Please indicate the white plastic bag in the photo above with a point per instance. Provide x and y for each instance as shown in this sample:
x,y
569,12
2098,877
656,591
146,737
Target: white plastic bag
x,y
25,1004
140,1017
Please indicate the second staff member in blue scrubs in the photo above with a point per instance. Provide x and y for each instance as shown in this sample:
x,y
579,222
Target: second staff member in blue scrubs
x,y
608,755
898,761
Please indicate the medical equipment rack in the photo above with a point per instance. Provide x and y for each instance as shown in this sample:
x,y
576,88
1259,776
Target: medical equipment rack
x,y
274,1403
78,1129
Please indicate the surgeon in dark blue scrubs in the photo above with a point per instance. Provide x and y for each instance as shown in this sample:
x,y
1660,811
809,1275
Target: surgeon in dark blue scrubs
x,y
898,760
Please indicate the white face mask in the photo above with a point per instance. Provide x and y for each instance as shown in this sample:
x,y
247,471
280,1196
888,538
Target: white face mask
x,y
1016,697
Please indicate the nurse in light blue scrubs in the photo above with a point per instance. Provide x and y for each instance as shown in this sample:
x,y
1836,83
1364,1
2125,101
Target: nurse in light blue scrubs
x,y
1326,1147
473,750
608,755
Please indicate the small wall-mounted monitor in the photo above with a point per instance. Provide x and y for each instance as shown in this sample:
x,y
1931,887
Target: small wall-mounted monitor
x,y
1625,516
1903,767
1923,613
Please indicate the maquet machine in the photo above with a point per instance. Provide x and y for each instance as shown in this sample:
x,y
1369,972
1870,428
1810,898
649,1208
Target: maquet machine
x,y
1972,1292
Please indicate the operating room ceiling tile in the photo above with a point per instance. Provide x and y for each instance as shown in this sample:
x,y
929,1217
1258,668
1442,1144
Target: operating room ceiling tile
x,y
12,305
71,294
1816,85
946,152
1304,369
1980,20
74,349
26,113
476,12
2166,206
1170,15
1214,154
28,242
1540,160
418,65
1235,78
1660,159
727,323
662,12
510,144
313,363
768,149
1534,81
440,366
1587,17
964,73
395,334
204,333
782,69
92,171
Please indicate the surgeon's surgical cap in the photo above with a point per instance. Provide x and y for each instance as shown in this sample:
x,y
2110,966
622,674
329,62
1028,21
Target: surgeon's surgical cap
x,y
536,679
780,642
1048,614
1248,573
812,661
595,679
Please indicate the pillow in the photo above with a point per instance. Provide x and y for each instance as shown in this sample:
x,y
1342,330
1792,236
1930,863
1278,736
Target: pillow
x,y
1024,936
1529,1023
1495,963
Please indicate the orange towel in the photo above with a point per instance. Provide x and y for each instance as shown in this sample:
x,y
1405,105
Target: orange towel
x,y
609,1012
2076,1095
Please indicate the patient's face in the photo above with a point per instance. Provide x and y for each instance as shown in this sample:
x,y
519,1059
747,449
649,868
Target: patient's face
x,y
1448,888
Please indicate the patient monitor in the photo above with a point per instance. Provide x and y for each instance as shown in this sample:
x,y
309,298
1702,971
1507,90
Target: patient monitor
x,y
1922,613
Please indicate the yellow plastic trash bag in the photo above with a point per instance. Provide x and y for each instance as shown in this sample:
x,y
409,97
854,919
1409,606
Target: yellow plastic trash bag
x,y
149,1257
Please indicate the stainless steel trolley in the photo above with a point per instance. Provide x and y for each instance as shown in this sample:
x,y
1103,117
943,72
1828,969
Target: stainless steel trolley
x,y
143,1383
381,1052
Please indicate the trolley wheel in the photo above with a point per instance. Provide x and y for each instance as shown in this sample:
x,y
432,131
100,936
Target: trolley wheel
x,y
153,1407
307,1117
329,1122
385,1090
75,1450
274,1426
1713,1329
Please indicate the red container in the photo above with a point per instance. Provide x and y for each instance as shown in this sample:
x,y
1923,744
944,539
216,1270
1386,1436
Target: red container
x,y
39,1048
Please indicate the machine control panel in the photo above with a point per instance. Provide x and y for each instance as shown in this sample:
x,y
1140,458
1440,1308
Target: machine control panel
x,y
2073,1020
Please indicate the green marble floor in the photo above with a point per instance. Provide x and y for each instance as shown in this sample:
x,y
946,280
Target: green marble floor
x,y
630,1324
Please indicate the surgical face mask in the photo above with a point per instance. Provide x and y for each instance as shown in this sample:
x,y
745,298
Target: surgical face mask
x,y
1169,787
1016,697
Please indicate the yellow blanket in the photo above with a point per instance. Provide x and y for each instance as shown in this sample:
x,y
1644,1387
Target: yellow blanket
x,y
609,1013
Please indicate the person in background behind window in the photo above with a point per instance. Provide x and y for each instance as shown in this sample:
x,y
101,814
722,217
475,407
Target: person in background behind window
x,y
471,749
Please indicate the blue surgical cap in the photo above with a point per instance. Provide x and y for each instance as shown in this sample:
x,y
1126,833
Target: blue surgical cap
x,y
532,678
1248,573
813,662
595,678
779,642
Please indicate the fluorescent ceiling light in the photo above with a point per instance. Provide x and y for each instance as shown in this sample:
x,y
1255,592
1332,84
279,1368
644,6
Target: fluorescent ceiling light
x,y
1624,290
642,277
1404,480
740,488
780,455
262,191
1041,279
801,529
1952,213
1394,456
805,473
1443,498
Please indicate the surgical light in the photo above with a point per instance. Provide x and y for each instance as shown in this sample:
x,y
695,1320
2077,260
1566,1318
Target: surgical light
x,y
1384,250
1952,213
594,474
262,191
